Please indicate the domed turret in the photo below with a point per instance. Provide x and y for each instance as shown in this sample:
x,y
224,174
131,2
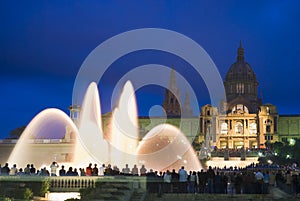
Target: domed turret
x,y
240,70
240,82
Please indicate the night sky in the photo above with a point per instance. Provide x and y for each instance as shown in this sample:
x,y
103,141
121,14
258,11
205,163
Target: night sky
x,y
43,44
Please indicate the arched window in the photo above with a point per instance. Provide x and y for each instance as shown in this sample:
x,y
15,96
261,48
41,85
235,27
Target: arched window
x,y
240,109
268,123
253,128
238,128
224,128
240,88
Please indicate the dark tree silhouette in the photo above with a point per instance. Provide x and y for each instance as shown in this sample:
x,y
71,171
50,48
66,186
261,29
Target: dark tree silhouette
x,y
16,133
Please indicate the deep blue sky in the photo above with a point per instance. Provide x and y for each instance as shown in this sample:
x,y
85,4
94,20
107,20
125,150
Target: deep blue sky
x,y
43,44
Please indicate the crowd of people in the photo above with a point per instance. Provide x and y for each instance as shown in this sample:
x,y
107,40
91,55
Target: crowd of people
x,y
254,179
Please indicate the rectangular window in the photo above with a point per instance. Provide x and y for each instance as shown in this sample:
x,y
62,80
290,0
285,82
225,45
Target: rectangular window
x,y
268,128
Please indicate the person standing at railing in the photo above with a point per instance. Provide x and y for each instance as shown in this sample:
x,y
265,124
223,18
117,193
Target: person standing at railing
x,y
210,179
82,172
75,172
101,170
126,170
20,172
32,170
62,171
95,170
108,170
89,170
27,170
70,172
5,169
53,168
183,176
167,182
259,181
135,171
143,170
13,171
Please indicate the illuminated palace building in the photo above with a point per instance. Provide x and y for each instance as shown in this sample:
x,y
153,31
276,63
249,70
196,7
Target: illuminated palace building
x,y
242,120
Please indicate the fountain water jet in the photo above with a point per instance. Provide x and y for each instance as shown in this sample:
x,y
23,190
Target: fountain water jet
x,y
91,145
164,147
43,126
124,128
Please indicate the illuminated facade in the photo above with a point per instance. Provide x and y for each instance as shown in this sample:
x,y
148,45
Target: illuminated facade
x,y
242,120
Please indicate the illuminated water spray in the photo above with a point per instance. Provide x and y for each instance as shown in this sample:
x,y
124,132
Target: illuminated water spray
x,y
124,128
164,147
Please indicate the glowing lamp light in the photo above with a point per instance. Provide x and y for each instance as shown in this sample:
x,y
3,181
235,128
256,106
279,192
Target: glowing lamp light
x,y
288,156
292,142
275,153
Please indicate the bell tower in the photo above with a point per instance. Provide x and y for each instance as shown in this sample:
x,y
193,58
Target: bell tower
x,y
171,103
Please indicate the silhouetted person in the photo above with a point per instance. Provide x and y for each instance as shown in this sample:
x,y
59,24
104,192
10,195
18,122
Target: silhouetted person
x,y
89,170
108,170
167,182
238,183
44,172
27,170
95,170
5,170
20,173
13,171
135,171
210,179
143,170
32,169
82,172
70,172
62,171
151,182
126,170
115,170
75,172
53,168
175,182
183,176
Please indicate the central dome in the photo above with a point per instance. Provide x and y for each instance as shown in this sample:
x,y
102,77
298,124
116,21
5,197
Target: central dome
x,y
240,84
240,70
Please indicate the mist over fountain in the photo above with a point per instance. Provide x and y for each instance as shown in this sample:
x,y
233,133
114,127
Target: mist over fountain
x,y
163,147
